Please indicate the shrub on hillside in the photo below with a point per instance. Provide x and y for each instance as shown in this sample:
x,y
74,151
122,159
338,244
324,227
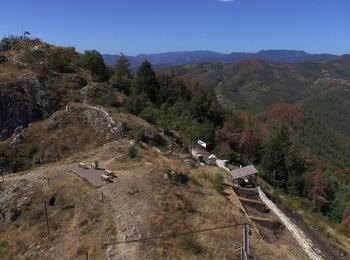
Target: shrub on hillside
x,y
106,100
30,151
59,60
136,103
132,152
31,56
150,114
15,165
187,243
180,178
6,44
218,183
138,135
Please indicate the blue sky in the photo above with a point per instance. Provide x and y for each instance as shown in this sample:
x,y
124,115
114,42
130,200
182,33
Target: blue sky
x,y
148,26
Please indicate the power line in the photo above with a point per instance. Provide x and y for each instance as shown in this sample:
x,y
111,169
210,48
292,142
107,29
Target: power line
x,y
174,234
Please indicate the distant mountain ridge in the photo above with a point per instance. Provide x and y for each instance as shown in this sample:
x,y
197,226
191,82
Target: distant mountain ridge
x,y
195,57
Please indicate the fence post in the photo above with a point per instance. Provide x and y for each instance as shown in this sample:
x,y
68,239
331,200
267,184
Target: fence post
x,y
47,220
245,247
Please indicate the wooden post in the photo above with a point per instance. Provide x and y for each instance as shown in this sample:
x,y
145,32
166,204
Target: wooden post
x,y
47,220
245,248
3,178
102,197
87,255
48,181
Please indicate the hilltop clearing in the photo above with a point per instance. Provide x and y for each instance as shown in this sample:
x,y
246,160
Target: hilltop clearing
x,y
140,203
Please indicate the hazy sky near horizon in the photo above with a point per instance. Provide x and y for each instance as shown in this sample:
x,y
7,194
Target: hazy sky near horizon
x,y
149,26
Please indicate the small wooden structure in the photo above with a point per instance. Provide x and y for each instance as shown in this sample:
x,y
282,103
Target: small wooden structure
x,y
199,155
211,160
245,176
107,178
109,172
83,165
94,165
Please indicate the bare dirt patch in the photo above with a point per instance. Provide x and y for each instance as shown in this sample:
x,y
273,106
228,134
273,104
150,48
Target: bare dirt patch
x,y
93,176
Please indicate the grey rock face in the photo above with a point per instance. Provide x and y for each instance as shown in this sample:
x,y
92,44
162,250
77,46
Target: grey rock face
x,y
37,91
14,111
30,97
103,123
55,121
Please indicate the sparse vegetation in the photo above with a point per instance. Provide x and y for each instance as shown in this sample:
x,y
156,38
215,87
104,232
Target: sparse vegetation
x,y
107,100
60,60
138,135
189,244
30,151
32,56
180,178
218,183
132,152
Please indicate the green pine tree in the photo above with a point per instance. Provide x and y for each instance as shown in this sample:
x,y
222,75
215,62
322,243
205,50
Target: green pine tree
x,y
122,75
281,164
92,60
146,81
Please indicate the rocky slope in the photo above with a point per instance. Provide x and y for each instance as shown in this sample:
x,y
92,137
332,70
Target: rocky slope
x,y
30,97
29,89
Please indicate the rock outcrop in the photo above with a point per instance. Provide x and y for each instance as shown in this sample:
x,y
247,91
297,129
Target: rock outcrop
x,y
29,97
15,110
103,123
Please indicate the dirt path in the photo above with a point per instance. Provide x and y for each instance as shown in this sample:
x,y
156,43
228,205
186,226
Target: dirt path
x,y
298,234
130,198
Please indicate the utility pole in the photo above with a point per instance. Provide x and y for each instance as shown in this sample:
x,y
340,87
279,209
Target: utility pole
x,y
245,248
47,221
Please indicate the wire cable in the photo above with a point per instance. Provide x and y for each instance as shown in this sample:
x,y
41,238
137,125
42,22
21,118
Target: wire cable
x,y
174,234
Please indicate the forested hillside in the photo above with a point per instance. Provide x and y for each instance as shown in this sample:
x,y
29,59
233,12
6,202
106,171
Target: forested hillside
x,y
320,89
296,118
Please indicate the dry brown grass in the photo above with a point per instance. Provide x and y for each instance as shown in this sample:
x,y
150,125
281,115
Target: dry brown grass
x,y
8,71
78,221
192,206
81,223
